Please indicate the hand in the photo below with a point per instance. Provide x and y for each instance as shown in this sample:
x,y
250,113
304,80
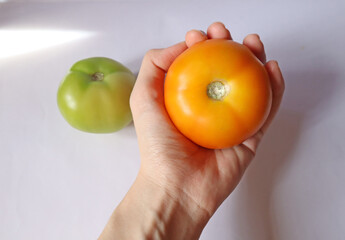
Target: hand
x,y
206,176
196,179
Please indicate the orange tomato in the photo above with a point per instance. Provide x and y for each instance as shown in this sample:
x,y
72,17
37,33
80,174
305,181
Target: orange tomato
x,y
217,93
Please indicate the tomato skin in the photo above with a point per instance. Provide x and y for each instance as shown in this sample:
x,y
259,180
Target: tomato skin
x,y
223,123
94,95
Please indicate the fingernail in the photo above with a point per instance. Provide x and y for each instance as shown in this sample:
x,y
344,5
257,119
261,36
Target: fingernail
x,y
278,67
276,62
257,35
202,32
220,23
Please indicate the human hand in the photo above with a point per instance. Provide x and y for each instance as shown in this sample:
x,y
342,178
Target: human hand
x,y
174,169
169,159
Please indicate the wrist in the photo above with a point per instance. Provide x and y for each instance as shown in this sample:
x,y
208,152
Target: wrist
x,y
152,211
174,214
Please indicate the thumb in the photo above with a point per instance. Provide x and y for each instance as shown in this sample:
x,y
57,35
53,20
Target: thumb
x,y
149,87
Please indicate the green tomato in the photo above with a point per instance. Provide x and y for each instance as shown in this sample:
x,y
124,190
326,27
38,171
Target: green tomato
x,y
94,96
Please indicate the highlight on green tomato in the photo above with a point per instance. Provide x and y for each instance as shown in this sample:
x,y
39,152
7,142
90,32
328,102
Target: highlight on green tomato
x,y
94,96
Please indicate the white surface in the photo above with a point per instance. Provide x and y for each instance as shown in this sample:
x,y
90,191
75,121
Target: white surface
x,y
59,183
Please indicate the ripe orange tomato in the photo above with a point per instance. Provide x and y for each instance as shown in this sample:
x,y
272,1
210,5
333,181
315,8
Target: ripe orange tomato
x,y
217,93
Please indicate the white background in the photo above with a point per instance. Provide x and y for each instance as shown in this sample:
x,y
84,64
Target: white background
x,y
59,183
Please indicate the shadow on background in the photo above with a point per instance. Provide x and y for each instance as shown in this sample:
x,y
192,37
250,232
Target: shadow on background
x,y
306,93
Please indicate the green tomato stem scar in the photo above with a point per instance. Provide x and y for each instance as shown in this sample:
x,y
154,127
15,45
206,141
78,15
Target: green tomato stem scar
x,y
98,76
217,90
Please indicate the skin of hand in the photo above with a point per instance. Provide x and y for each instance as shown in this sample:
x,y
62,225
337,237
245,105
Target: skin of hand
x,y
180,185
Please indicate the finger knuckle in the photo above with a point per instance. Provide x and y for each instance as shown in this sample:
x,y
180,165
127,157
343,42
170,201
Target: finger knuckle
x,y
150,54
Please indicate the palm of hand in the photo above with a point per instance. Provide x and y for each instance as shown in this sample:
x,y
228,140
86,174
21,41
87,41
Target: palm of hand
x,y
206,176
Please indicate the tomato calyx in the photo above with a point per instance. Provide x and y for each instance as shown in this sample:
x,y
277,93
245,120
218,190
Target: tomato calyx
x,y
98,76
217,90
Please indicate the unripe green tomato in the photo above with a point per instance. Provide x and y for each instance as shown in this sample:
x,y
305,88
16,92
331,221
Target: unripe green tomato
x,y
94,96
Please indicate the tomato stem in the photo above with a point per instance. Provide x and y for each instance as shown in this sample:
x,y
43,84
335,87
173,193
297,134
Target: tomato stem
x,y
98,76
217,90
